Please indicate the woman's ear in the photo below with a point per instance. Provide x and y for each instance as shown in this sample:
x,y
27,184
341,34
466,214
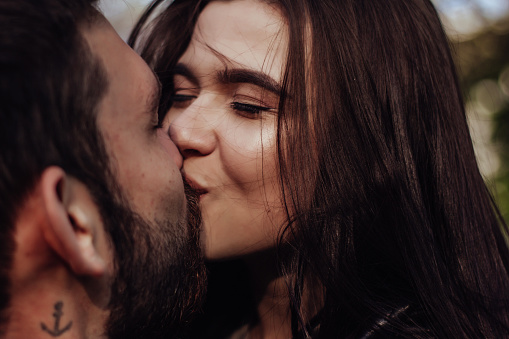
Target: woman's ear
x,y
73,222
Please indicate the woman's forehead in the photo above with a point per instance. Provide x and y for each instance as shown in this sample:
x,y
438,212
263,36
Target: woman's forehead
x,y
247,33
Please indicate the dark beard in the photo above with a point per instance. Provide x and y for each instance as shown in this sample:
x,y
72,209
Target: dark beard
x,y
161,277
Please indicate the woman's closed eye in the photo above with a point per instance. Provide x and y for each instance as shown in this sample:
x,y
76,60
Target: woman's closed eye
x,y
249,110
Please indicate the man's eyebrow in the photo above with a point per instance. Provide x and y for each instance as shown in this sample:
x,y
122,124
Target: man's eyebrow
x,y
182,69
154,97
236,76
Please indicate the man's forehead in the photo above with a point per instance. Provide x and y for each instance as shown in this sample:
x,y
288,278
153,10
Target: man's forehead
x,y
106,45
133,87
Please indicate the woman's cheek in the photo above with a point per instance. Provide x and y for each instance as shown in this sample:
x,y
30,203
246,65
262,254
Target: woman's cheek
x,y
250,152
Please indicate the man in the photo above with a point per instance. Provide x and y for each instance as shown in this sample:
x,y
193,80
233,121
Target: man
x,y
94,237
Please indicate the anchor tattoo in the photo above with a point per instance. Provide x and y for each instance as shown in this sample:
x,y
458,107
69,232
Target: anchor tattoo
x,y
58,314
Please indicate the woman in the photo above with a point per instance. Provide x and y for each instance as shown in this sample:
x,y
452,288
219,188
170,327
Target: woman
x,y
329,143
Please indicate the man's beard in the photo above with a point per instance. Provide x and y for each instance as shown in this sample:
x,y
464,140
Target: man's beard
x,y
160,275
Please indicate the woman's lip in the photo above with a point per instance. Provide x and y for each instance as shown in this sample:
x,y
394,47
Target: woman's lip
x,y
201,192
199,189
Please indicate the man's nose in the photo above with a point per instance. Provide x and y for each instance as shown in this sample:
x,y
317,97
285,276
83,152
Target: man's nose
x,y
170,146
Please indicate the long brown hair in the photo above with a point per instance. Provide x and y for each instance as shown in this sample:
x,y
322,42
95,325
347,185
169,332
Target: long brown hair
x,y
387,209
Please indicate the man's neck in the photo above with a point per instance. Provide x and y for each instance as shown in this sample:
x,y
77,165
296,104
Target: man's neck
x,y
47,299
56,307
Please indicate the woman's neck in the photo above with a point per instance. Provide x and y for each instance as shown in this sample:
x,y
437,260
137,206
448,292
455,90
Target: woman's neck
x,y
270,292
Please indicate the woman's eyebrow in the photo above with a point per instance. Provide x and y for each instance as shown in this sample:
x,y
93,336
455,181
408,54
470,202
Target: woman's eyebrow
x,y
235,76
182,69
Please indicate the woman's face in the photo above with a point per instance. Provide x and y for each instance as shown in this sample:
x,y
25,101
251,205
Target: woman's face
x,y
224,121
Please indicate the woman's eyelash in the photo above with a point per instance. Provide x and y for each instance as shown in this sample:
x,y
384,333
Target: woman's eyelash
x,y
237,106
247,108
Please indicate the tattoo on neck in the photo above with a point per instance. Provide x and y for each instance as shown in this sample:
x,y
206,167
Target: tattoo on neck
x,y
57,331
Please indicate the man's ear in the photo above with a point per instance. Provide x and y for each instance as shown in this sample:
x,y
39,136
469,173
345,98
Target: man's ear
x,y
73,222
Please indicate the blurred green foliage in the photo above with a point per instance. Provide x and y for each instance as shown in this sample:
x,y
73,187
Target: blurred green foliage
x,y
501,139
483,57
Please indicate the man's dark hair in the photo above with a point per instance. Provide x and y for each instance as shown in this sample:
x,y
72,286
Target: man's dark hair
x,y
50,87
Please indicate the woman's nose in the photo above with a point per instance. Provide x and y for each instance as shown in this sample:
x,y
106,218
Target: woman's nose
x,y
192,130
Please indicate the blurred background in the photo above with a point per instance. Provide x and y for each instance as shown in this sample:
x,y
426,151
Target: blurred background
x,y
479,34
